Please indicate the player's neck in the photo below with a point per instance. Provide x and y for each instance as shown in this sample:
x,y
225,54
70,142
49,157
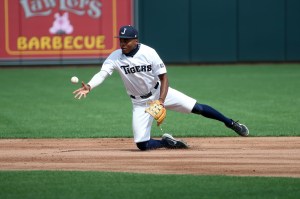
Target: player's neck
x,y
134,51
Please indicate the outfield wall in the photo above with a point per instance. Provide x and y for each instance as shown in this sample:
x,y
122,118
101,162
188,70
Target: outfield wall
x,y
182,31
196,31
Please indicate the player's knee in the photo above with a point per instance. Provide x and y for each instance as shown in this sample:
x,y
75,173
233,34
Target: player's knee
x,y
143,146
198,108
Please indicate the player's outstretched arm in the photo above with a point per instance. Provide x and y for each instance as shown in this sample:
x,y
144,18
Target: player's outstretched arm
x,y
83,91
94,82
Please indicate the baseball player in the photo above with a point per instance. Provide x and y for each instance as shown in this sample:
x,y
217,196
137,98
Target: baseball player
x,y
145,78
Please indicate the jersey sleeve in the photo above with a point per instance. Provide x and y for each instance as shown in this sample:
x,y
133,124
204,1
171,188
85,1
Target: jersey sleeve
x,y
158,65
98,79
108,64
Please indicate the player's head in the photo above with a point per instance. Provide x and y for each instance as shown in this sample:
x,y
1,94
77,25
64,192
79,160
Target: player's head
x,y
128,37
128,32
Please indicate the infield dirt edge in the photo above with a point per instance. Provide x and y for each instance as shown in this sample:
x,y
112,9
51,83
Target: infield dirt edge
x,y
234,156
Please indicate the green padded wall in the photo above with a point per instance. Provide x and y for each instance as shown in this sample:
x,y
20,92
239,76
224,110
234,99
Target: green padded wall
x,y
261,30
164,25
200,31
213,30
293,30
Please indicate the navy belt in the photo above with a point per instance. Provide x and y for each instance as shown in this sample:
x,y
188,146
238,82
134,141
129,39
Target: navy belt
x,y
147,95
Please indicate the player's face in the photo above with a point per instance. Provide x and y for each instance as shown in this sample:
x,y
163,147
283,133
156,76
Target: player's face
x,y
128,45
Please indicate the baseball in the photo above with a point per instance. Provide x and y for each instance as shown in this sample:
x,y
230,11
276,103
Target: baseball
x,y
74,80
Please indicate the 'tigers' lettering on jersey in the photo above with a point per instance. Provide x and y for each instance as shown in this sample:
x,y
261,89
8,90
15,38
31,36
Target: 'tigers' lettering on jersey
x,y
135,69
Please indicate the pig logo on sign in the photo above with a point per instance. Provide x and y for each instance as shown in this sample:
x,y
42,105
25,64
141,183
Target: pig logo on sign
x,y
61,24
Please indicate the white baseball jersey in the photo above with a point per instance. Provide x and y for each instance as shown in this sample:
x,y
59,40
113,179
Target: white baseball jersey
x,y
140,76
139,73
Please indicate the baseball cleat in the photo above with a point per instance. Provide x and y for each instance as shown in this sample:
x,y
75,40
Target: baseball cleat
x,y
172,143
240,129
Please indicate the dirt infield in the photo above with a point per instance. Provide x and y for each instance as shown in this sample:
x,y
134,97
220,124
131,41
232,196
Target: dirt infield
x,y
264,156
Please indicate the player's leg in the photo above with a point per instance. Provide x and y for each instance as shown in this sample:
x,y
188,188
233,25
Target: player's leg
x,y
141,123
180,102
150,144
209,112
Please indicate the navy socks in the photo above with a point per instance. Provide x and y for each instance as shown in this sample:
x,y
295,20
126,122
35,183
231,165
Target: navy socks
x,y
151,144
209,112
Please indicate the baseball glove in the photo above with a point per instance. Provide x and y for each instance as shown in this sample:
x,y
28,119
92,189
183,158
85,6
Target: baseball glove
x,y
157,110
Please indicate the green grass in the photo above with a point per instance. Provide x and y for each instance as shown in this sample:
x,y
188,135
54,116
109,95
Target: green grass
x,y
38,103
81,185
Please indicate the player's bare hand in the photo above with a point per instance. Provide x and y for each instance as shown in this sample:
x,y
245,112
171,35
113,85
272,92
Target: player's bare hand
x,y
83,91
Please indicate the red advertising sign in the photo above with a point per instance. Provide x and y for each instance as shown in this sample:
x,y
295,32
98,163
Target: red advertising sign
x,y
61,28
